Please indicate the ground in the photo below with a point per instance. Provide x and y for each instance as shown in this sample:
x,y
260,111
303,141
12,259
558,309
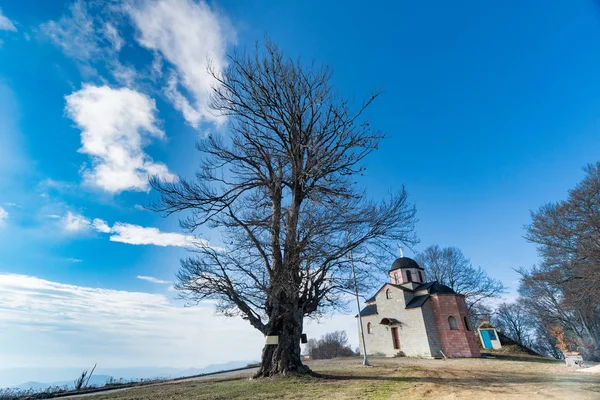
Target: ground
x,y
504,377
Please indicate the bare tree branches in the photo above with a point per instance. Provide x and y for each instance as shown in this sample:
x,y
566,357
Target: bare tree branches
x,y
565,288
450,267
281,190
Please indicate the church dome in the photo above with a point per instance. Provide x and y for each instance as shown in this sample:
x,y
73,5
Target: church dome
x,y
404,262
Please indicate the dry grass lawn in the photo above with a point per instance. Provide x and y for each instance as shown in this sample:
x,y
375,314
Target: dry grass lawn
x,y
401,378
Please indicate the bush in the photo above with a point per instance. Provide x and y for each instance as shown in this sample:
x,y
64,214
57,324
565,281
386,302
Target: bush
x,y
331,345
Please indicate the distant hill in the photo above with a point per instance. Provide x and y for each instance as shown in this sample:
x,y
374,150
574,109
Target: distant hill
x,y
133,374
95,380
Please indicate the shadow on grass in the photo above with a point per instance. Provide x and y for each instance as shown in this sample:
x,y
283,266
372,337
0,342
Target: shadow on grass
x,y
481,380
507,357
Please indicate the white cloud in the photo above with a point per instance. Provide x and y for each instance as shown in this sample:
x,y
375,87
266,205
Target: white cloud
x,y
74,260
100,225
6,24
189,35
139,235
3,214
75,223
49,323
153,280
115,125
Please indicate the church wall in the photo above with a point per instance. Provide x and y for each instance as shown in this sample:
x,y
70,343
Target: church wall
x,y
454,343
435,344
472,333
411,333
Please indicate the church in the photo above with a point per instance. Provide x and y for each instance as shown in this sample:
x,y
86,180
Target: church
x,y
409,316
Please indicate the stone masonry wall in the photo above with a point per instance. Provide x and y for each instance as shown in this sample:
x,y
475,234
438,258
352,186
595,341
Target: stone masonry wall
x,y
412,332
454,343
431,329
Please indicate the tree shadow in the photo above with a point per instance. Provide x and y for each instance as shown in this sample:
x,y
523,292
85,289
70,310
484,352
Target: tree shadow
x,y
506,357
479,381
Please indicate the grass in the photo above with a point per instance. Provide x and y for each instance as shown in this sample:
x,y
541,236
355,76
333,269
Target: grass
x,y
499,378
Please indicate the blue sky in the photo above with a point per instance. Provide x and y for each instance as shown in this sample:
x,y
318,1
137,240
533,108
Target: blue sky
x,y
490,110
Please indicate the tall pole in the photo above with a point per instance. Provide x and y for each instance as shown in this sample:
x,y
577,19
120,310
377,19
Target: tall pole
x,y
360,324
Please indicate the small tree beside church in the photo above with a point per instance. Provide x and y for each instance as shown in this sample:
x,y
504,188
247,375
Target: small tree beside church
x,y
281,190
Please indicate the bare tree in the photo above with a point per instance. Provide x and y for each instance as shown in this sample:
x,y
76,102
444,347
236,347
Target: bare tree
x,y
450,267
515,322
281,189
565,287
331,345
480,313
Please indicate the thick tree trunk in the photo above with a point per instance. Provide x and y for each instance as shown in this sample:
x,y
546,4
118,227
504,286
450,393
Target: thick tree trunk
x,y
284,358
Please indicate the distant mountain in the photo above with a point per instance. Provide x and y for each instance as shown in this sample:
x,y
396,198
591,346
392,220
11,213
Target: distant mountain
x,y
95,380
32,385
133,374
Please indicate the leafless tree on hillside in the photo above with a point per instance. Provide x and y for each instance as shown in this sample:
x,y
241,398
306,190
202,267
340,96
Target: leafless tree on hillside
x,y
450,267
565,287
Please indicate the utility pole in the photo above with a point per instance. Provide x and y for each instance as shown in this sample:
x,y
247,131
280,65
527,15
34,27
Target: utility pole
x,y
360,324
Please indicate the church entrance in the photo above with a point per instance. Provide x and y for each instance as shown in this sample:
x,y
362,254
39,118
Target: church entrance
x,y
395,338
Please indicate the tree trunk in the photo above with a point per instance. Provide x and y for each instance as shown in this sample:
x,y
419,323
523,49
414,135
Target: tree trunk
x,y
283,358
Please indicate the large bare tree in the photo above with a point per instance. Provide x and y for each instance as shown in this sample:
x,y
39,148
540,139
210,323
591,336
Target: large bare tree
x,y
565,287
282,190
451,267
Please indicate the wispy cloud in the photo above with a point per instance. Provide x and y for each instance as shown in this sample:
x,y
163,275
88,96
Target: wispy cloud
x,y
129,233
100,225
3,215
75,33
46,322
6,24
191,36
88,34
139,235
115,124
74,260
75,223
153,280
113,36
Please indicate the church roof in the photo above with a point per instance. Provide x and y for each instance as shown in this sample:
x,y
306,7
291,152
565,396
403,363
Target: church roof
x,y
405,262
371,309
439,288
417,301
432,288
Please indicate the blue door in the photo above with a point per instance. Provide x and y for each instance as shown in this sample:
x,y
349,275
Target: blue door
x,y
487,342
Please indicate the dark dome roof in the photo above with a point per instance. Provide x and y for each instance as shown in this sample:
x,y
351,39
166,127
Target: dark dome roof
x,y
404,262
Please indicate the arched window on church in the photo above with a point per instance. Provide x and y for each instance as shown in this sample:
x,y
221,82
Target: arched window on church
x,y
467,327
369,328
452,323
420,277
408,276
388,294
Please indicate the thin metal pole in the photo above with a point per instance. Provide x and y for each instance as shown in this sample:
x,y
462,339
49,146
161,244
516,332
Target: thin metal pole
x,y
362,332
